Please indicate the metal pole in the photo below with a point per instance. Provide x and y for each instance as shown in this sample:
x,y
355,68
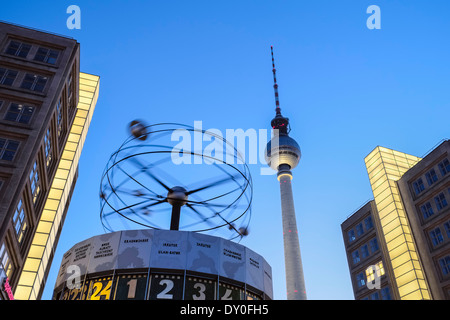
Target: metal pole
x,y
175,220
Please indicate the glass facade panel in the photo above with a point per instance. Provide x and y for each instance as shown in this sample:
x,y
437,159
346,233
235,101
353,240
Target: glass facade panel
x,y
30,283
31,265
395,226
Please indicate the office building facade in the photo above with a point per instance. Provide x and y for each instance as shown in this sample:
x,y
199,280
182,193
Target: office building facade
x,y
46,106
366,255
412,222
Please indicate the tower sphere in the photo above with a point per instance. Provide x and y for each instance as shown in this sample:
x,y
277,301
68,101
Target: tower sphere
x,y
287,152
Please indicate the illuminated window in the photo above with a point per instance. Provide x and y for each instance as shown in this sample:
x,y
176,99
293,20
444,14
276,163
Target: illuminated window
x,y
445,265
368,222
370,274
34,82
19,113
370,271
440,201
8,149
427,210
436,236
380,268
431,177
373,245
35,182
46,55
7,76
18,49
355,256
418,186
20,221
5,261
444,167
48,147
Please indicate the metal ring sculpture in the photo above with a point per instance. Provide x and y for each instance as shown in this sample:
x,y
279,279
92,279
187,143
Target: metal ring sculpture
x,y
138,186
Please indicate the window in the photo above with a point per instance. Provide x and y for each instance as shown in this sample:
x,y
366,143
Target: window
x,y
373,245
59,116
444,167
8,149
7,76
370,274
355,256
48,147
364,251
368,222
19,113
46,55
18,49
431,177
34,82
69,91
445,265
427,210
375,296
440,201
351,235
359,229
5,261
447,228
436,236
360,280
385,294
71,83
380,270
35,182
418,186
19,221
370,271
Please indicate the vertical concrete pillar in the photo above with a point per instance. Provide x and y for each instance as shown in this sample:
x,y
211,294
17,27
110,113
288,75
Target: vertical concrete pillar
x,y
295,282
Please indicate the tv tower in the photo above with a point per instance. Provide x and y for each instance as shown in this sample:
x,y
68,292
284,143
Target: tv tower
x,y
283,154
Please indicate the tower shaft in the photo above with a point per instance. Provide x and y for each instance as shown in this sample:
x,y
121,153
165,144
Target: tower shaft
x,y
295,282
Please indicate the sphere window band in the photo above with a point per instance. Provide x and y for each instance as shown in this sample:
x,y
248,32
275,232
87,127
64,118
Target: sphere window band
x,y
159,286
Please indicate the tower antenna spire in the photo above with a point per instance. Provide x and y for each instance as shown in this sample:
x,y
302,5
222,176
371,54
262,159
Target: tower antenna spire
x,y
279,122
275,85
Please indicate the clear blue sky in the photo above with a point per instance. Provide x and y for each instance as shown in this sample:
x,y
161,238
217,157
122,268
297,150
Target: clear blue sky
x,y
345,88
